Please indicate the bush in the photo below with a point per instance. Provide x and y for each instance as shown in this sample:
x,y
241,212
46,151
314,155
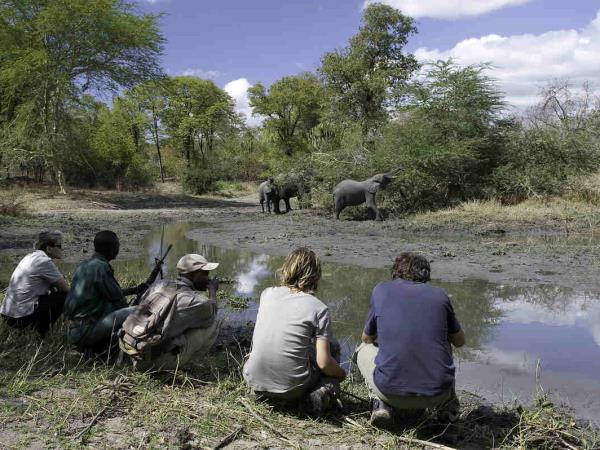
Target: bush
x,y
199,180
12,204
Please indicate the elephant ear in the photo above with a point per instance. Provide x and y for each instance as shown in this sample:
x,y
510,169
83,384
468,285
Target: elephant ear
x,y
373,187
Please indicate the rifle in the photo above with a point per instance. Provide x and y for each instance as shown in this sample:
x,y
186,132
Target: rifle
x,y
157,269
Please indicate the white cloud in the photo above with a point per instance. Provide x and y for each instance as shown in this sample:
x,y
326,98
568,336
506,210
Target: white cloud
x,y
524,63
238,89
206,74
448,9
580,311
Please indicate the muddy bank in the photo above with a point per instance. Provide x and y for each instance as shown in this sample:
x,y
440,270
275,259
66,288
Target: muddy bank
x,y
526,255
522,258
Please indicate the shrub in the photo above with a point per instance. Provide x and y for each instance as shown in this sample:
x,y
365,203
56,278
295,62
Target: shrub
x,y
199,180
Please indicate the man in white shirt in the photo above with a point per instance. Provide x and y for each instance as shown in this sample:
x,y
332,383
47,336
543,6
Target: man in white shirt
x,y
37,290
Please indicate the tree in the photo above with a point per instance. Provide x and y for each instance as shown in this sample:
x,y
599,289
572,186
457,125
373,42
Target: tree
x,y
194,112
292,106
150,99
55,50
362,75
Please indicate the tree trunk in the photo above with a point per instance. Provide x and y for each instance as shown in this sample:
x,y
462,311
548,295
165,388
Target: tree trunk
x,y
157,142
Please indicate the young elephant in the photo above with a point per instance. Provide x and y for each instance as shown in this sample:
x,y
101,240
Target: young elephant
x,y
352,193
265,194
285,187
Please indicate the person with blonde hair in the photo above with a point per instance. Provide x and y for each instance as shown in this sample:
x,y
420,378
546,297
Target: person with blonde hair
x,y
293,345
36,292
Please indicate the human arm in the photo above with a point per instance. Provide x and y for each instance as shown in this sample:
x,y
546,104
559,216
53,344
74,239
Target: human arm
x,y
61,285
327,364
109,288
457,339
368,339
456,335
369,334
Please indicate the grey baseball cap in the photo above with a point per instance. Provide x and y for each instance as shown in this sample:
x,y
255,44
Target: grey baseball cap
x,y
191,262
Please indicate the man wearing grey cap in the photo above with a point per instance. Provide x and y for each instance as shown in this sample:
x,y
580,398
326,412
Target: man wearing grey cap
x,y
175,322
36,291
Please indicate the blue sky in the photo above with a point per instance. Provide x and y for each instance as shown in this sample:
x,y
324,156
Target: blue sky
x,y
237,43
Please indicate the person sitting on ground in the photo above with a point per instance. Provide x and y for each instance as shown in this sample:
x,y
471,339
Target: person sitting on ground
x,y
406,356
37,290
292,344
96,307
175,323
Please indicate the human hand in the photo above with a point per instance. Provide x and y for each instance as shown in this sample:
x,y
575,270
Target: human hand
x,y
213,284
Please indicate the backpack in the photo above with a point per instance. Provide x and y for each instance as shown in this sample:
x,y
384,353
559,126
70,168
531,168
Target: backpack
x,y
145,327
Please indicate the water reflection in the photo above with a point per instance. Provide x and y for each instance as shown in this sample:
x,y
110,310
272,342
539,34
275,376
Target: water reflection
x,y
508,327
248,280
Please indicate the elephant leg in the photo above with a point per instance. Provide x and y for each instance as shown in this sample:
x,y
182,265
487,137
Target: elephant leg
x,y
262,205
372,206
269,201
339,206
276,206
288,208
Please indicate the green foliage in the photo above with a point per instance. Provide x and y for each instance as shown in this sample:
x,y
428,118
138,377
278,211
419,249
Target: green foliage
x,y
199,179
292,106
196,110
52,52
360,76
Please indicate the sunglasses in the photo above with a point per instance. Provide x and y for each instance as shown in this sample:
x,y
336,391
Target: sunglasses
x,y
57,246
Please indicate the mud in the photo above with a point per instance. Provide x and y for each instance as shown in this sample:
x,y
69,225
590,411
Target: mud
x,y
520,256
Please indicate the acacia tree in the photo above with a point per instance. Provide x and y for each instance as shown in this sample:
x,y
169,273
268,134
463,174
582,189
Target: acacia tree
x,y
150,100
55,50
292,107
361,76
195,110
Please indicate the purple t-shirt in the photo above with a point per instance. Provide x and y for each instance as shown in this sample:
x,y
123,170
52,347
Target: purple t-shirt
x,y
412,322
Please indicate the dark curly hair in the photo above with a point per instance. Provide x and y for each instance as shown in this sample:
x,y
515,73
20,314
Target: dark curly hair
x,y
411,266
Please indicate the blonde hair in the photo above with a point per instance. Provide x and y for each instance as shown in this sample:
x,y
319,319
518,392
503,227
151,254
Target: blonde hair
x,y
301,270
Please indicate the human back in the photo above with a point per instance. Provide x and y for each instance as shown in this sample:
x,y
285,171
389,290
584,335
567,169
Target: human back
x,y
287,325
413,321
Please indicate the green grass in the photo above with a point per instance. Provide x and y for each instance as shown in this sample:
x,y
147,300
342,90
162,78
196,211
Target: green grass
x,y
50,396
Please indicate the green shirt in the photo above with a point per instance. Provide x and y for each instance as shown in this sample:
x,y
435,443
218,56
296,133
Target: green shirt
x,y
93,289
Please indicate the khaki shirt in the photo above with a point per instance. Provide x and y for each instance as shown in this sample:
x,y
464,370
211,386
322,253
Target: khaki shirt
x,y
192,309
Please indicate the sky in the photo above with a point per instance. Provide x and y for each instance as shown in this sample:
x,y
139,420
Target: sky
x,y
237,43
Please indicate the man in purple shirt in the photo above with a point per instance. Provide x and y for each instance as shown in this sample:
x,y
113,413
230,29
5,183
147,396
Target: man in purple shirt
x,y
406,354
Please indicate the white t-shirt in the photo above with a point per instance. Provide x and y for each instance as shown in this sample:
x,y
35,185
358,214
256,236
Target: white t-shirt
x,y
33,277
287,326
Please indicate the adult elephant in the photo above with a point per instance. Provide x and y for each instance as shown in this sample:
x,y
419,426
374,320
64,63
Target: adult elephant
x,y
353,193
265,194
285,187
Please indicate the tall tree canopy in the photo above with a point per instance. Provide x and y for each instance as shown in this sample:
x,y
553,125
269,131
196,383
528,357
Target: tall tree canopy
x,y
55,50
195,111
293,106
362,75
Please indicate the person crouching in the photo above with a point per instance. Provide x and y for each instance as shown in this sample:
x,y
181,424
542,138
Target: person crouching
x,y
176,322
406,356
293,343
37,290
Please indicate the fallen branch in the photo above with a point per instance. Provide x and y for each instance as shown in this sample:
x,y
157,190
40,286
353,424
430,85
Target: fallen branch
x,y
93,422
229,438
425,443
279,434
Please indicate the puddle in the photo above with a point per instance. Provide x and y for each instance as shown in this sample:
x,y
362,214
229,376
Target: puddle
x,y
517,337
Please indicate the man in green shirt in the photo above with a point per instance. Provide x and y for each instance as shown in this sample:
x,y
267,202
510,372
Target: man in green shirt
x,y
95,307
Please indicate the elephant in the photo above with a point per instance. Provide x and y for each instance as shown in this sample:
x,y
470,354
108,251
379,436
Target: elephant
x,y
352,193
285,187
265,194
